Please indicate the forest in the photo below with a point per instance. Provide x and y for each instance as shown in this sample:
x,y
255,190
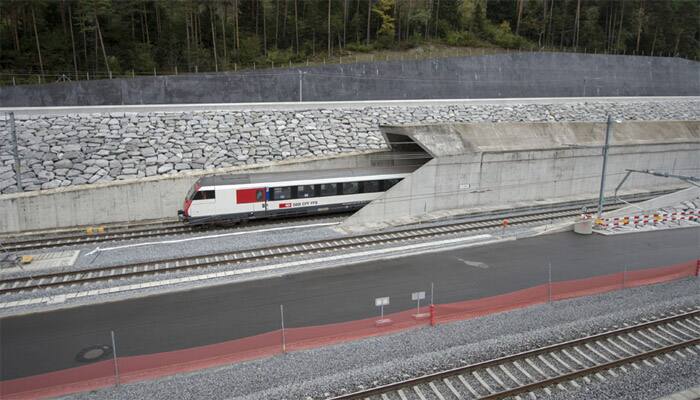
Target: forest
x,y
50,40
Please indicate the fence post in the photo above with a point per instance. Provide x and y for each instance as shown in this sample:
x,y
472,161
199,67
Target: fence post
x,y
114,356
549,284
432,298
301,87
284,339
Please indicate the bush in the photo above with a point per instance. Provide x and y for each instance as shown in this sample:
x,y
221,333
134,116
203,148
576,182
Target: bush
x,y
502,36
412,42
279,56
464,39
359,47
384,42
250,49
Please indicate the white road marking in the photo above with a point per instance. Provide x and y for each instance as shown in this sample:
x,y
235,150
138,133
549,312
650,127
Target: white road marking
x,y
401,250
280,228
477,264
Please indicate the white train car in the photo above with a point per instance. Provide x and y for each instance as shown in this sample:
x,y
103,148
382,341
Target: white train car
x,y
234,198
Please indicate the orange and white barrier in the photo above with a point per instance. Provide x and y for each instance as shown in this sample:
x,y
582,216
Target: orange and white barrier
x,y
649,219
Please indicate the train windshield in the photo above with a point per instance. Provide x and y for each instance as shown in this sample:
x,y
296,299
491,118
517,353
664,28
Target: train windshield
x,y
192,191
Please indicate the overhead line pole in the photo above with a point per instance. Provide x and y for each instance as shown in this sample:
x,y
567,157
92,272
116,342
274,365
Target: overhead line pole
x,y
601,196
18,164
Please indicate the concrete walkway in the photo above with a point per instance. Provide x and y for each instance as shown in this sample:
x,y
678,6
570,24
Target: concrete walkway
x,y
690,394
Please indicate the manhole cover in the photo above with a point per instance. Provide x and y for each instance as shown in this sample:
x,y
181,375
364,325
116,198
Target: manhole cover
x,y
94,353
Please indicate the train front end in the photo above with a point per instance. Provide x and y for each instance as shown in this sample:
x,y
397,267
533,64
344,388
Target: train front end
x,y
184,214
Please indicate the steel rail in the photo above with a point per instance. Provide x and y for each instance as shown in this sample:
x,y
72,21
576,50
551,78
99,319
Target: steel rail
x,y
137,231
440,376
43,281
78,239
592,370
122,234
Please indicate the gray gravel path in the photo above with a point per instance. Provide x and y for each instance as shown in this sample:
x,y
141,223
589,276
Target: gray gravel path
x,y
320,372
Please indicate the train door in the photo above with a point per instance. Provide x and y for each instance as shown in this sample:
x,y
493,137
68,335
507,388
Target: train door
x,y
261,201
253,200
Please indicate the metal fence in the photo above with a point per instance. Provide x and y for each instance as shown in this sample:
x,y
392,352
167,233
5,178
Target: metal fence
x,y
19,77
238,324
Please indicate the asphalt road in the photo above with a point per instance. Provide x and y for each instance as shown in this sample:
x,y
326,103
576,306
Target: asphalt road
x,y
43,342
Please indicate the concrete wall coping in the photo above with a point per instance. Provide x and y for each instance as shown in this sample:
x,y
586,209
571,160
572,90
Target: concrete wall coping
x,y
294,106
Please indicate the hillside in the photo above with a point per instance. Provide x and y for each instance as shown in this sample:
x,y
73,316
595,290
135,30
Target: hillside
x,y
48,41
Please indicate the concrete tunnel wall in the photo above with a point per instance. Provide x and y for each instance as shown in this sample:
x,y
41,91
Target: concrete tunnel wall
x,y
492,173
143,199
517,74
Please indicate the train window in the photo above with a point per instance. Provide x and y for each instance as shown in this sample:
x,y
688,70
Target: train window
x,y
259,195
389,183
205,195
351,187
329,189
371,186
305,191
191,192
282,193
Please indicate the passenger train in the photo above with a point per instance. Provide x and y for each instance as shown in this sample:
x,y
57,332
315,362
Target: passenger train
x,y
238,198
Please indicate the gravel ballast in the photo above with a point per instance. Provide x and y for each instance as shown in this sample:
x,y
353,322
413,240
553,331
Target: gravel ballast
x,y
351,366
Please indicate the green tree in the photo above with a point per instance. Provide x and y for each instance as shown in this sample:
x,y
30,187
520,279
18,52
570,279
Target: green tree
x,y
382,10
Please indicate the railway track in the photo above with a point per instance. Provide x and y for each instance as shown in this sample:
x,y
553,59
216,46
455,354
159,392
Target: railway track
x,y
154,229
123,234
61,279
559,367
76,239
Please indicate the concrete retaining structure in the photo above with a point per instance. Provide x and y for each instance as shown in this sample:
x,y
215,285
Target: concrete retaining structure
x,y
160,196
144,199
517,74
492,166
68,147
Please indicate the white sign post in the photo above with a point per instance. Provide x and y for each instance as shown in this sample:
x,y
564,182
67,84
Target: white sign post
x,y
381,302
417,296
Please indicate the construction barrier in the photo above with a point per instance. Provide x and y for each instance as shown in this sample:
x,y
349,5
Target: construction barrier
x,y
135,368
649,219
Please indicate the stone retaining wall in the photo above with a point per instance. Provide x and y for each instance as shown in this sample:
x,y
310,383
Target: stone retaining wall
x,y
75,149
